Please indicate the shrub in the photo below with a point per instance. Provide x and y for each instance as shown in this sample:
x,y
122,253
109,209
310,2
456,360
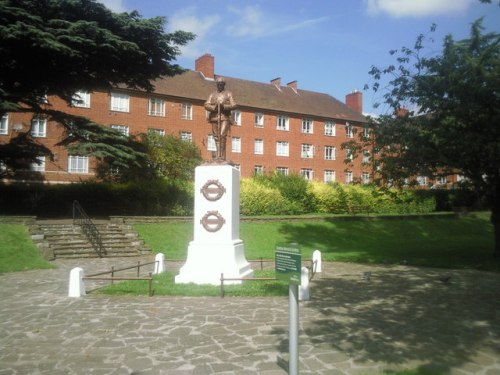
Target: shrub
x,y
258,199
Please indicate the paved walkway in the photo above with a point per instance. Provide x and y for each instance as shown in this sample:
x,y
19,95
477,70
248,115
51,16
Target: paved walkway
x,y
401,317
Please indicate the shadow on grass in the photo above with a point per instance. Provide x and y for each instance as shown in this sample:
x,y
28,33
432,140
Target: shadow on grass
x,y
401,317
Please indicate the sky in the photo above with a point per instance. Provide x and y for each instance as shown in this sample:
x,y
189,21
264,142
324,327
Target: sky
x,y
326,46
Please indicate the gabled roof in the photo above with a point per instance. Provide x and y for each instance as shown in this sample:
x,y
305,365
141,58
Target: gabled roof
x,y
264,96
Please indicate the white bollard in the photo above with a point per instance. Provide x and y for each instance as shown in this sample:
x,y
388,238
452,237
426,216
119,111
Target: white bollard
x,y
317,261
159,263
304,294
76,285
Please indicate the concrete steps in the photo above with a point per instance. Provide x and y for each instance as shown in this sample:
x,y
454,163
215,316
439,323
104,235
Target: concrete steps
x,y
62,239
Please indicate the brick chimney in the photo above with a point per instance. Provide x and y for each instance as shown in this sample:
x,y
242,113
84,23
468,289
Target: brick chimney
x,y
354,100
205,65
276,82
292,85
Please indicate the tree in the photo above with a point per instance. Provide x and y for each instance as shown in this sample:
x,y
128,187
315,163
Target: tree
x,y
444,115
58,47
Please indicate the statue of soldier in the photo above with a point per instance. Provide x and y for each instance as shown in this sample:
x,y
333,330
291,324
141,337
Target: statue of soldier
x,y
219,104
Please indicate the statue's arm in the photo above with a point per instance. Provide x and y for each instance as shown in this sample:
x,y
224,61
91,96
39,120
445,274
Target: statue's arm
x,y
210,104
232,104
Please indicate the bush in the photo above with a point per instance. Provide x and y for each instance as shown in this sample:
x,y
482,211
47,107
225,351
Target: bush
x,y
258,199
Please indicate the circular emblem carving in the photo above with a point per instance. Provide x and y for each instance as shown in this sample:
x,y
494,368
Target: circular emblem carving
x,y
213,190
212,221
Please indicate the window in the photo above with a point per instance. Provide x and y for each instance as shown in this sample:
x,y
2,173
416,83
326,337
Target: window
x,y
349,155
81,99
442,180
330,153
282,123
120,102
78,164
186,111
282,170
187,136
156,107
422,180
258,148
307,173
39,127
258,169
365,177
307,151
329,176
307,126
349,131
348,177
4,124
330,129
156,131
236,144
237,166
282,148
259,120
366,156
366,132
236,116
39,165
121,128
211,146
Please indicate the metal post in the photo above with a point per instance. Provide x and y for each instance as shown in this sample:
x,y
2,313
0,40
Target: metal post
x,y
112,273
293,329
138,267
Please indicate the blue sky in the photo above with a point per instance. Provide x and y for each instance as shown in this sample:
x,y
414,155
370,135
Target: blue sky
x,y
326,45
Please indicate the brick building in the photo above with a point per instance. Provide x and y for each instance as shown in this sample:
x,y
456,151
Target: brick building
x,y
276,127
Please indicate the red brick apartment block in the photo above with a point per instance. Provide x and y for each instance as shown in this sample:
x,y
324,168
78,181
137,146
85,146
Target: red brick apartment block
x,y
276,128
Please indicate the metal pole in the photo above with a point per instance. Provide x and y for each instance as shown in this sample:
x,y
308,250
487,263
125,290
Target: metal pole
x,y
293,328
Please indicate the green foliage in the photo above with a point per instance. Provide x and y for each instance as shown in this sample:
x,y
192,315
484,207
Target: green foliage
x,y
259,199
18,253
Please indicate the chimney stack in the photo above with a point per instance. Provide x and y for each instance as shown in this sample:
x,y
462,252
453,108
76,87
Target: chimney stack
x,y
292,85
354,100
276,82
205,65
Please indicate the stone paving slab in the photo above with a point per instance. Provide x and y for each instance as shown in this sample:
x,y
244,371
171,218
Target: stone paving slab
x,y
401,317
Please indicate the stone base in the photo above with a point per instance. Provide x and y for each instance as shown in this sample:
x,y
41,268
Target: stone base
x,y
206,261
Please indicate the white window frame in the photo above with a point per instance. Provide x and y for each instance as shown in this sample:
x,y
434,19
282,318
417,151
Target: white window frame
x,y
120,102
307,126
441,180
307,151
366,156
349,177
211,146
78,164
39,127
258,169
156,106
282,170
81,99
330,129
283,123
38,166
157,131
124,129
349,155
349,130
236,145
186,136
365,178
329,176
282,148
307,173
330,153
236,117
366,132
258,147
259,120
186,111
4,124
422,180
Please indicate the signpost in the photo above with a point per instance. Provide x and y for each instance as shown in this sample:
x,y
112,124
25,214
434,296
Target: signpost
x,y
288,263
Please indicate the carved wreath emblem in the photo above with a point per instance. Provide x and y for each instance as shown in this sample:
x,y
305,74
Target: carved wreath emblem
x,y
212,221
213,190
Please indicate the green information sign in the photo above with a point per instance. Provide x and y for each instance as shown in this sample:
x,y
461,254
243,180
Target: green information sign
x,y
288,263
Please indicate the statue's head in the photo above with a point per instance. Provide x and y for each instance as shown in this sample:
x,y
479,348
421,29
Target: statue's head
x,y
221,83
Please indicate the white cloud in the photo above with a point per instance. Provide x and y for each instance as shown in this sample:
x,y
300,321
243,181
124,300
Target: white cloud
x,y
416,8
251,22
117,6
187,20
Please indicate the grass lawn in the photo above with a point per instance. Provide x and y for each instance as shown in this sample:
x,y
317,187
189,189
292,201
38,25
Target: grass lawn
x,y
17,251
450,242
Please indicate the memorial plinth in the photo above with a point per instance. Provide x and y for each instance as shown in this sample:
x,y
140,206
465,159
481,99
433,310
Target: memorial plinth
x,y
216,247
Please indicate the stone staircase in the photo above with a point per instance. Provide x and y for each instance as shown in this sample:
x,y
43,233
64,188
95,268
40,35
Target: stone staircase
x,y
61,239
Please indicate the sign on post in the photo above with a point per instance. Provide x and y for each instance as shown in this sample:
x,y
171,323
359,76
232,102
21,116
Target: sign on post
x,y
288,263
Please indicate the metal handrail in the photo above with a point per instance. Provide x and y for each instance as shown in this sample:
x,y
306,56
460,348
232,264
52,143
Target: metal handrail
x,y
81,218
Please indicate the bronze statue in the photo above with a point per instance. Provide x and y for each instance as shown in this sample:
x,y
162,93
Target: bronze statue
x,y
219,104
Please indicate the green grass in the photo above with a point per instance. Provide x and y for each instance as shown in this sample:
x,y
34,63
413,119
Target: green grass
x,y
448,242
17,251
164,285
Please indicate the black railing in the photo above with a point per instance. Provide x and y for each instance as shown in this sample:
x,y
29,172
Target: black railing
x,y
81,218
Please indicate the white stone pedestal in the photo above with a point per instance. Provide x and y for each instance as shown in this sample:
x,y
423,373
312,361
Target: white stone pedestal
x,y
216,247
